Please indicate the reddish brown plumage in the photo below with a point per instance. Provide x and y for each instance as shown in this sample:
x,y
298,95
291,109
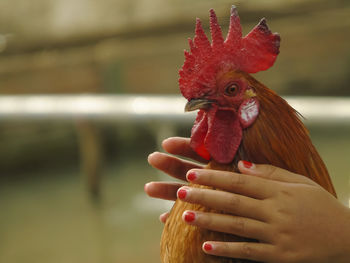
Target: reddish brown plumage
x,y
277,136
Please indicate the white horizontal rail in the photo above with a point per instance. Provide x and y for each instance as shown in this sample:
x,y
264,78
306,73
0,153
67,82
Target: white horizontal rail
x,y
145,107
117,107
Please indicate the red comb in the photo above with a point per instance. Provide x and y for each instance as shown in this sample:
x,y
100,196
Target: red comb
x,y
255,52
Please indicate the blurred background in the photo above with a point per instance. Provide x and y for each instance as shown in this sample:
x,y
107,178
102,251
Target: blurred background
x,y
71,189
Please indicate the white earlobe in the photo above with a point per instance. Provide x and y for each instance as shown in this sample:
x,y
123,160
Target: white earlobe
x,y
248,112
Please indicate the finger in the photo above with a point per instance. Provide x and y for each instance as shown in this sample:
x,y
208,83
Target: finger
x,y
239,226
273,173
163,217
238,205
244,250
163,190
181,146
247,185
171,165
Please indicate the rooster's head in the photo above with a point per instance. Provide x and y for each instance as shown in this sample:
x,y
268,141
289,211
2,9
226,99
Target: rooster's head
x,y
214,81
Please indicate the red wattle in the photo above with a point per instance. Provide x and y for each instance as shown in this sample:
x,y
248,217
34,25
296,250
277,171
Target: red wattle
x,y
216,134
203,152
198,133
224,135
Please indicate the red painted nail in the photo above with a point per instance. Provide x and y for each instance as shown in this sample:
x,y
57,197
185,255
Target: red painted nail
x,y
247,164
189,216
191,176
181,193
208,247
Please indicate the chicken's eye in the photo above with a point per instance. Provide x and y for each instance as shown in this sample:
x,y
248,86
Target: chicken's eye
x,y
232,89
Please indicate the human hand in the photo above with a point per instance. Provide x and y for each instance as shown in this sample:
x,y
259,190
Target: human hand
x,y
292,218
173,166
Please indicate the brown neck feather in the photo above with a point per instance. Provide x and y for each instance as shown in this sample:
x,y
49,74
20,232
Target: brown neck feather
x,y
279,137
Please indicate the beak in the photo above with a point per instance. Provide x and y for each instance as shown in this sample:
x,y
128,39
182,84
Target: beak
x,y
196,104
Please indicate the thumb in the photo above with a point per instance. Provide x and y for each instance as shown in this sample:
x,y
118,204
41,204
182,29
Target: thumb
x,y
271,172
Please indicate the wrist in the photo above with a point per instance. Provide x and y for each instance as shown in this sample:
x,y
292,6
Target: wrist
x,y
344,255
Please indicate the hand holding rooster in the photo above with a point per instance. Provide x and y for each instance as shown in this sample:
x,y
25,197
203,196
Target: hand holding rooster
x,y
292,217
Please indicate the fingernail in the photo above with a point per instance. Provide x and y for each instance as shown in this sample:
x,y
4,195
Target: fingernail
x,y
189,216
207,247
191,176
181,193
247,164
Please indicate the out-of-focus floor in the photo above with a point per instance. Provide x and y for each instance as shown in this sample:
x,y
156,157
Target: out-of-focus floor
x,y
49,217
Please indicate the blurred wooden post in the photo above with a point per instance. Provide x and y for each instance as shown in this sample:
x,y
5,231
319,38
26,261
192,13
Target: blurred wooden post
x,y
90,155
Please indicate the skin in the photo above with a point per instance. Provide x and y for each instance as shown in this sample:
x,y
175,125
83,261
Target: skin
x,y
293,218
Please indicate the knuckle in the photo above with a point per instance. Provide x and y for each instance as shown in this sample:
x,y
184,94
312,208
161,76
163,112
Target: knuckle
x,y
238,180
226,246
285,252
233,201
205,220
282,238
290,257
199,195
210,178
174,168
282,213
271,171
238,227
223,248
246,250
286,193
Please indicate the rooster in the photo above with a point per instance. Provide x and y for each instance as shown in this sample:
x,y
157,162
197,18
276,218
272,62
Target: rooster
x,y
238,119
